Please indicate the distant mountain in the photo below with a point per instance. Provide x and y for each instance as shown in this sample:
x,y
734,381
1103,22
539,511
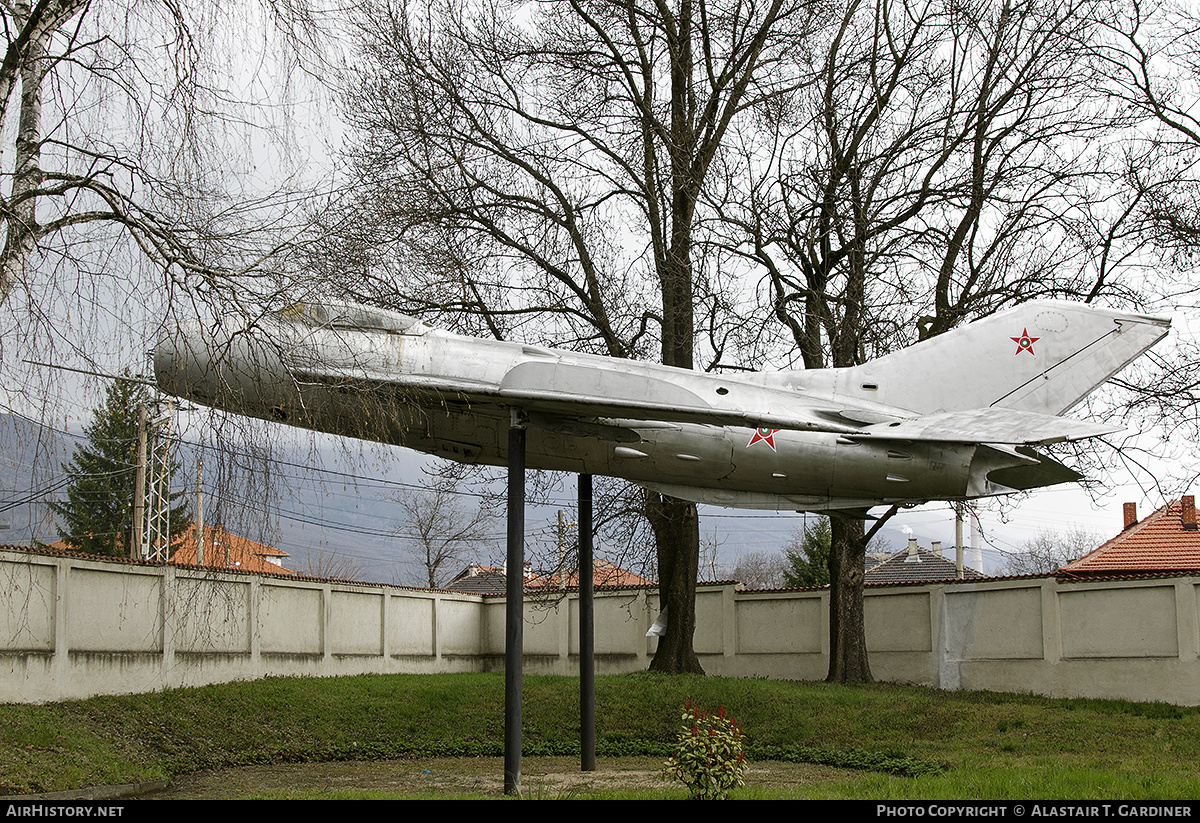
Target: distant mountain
x,y
31,459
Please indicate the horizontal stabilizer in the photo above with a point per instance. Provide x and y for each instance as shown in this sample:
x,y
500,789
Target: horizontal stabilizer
x,y
1045,472
994,425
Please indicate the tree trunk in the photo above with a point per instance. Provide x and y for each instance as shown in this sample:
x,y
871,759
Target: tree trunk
x,y
21,235
847,630
677,533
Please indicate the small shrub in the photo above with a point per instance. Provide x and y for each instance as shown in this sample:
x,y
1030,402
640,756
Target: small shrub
x,y
708,755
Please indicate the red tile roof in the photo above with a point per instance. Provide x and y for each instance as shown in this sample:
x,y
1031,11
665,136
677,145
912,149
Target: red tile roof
x,y
604,573
228,551
1157,543
492,580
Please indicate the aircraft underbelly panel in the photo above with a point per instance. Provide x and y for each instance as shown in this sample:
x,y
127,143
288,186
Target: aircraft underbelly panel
x,y
782,462
907,470
666,453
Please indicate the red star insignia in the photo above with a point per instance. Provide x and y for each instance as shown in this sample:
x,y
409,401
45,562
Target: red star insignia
x,y
765,435
1024,342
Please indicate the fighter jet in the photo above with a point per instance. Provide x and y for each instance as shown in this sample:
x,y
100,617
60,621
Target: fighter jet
x,y
955,417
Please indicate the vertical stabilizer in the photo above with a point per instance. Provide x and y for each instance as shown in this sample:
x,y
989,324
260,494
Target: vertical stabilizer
x,y
1042,356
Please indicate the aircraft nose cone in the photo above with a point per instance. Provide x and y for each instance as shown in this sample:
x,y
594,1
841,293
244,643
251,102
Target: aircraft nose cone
x,y
182,366
221,365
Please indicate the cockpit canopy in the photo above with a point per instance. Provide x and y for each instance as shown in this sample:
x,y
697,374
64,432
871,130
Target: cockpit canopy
x,y
349,316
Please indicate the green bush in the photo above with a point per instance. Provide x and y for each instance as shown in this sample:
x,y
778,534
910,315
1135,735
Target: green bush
x,y
708,755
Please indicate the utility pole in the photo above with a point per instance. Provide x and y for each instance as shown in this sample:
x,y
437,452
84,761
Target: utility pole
x,y
562,551
156,544
958,539
199,514
139,489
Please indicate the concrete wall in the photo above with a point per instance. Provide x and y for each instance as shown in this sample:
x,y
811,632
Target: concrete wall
x,y
71,628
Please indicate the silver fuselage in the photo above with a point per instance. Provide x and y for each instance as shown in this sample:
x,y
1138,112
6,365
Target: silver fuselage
x,y
404,383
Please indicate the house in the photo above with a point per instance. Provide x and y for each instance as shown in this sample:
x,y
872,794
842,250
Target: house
x,y
223,550
917,565
493,580
1166,541
481,580
604,574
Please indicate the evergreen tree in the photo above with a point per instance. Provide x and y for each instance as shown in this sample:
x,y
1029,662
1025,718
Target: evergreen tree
x,y
97,516
808,556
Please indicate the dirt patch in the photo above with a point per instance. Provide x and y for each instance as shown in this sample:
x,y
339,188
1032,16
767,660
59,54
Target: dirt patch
x,y
548,777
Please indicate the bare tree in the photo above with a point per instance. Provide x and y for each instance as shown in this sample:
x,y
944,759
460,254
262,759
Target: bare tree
x,y
118,117
887,170
761,570
333,565
708,567
443,529
1151,60
942,165
1051,549
143,180
549,166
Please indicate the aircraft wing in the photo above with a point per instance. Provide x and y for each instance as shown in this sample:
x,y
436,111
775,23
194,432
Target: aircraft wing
x,y
615,395
584,393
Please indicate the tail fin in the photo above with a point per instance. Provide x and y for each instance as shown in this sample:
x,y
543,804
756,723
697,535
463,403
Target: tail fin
x,y
1042,356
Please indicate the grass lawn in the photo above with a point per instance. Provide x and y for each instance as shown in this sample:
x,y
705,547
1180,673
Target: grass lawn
x,y
879,741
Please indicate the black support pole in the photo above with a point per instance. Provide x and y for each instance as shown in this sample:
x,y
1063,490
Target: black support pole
x,y
587,632
514,605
